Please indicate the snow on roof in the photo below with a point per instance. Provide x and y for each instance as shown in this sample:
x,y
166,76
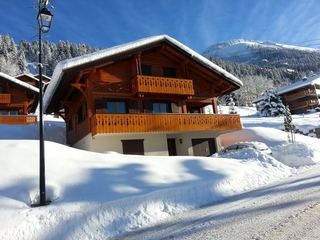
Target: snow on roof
x,y
314,79
18,82
71,63
34,77
28,75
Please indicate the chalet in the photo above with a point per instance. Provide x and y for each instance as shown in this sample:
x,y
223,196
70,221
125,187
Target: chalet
x,y
17,100
144,97
301,96
33,80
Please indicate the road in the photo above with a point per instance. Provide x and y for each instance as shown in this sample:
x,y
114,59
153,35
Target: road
x,y
289,209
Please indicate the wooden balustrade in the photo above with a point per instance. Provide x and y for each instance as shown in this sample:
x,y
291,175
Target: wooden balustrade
x,y
299,95
152,84
5,98
18,119
127,123
304,104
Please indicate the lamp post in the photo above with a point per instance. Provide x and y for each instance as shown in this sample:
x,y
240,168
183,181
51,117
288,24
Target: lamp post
x,y
44,23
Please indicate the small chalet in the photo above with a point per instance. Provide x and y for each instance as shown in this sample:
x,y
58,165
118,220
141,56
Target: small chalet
x,y
301,96
144,97
17,100
33,80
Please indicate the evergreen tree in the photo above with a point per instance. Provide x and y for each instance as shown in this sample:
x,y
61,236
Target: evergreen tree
x,y
272,105
229,100
289,127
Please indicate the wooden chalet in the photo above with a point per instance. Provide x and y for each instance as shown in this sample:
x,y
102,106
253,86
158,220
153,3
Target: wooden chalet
x,y
144,97
301,96
17,100
33,80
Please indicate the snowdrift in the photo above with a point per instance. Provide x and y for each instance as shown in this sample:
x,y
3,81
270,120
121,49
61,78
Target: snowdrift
x,y
102,195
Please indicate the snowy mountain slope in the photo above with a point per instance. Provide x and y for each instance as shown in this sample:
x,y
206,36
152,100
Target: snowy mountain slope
x,y
248,48
265,54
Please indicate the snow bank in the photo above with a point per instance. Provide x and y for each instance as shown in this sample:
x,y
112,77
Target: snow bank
x,y
297,154
54,129
103,195
270,136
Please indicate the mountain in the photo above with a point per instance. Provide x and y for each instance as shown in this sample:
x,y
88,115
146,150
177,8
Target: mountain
x,y
260,53
263,65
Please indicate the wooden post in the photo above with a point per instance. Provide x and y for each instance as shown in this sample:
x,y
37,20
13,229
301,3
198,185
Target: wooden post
x,y
215,105
183,106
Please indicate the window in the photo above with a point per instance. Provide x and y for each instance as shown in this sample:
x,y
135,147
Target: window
x,y
110,106
146,69
169,72
12,112
116,107
133,146
82,113
156,107
159,107
1,89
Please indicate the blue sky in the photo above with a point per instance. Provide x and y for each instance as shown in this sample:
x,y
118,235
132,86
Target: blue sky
x,y
197,23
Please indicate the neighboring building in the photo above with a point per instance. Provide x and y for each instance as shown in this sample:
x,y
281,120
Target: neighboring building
x,y
34,80
301,96
144,97
17,99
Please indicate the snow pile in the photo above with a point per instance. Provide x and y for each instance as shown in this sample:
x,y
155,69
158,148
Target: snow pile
x,y
296,154
103,195
54,130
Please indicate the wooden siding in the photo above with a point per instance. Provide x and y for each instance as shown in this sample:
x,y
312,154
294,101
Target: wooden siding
x,y
5,98
128,123
18,119
162,85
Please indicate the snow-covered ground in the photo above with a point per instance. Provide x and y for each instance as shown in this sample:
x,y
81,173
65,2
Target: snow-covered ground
x,y
251,118
96,196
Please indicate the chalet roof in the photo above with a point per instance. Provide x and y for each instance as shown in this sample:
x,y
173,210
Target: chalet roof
x,y
85,59
314,79
18,82
34,77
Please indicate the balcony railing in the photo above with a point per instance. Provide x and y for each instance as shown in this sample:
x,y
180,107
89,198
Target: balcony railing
x,y
304,104
5,98
18,119
163,85
128,123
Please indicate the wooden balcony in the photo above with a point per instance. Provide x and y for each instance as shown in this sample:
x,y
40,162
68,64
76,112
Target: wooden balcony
x,y
300,94
129,123
18,119
304,104
5,98
162,85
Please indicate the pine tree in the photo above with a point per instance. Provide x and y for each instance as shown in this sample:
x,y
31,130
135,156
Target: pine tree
x,y
289,127
229,100
272,105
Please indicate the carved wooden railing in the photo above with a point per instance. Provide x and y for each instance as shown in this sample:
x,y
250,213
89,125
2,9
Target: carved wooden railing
x,y
151,84
308,92
5,98
18,119
126,123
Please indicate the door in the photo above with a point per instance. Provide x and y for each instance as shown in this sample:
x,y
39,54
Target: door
x,y
133,146
172,149
203,146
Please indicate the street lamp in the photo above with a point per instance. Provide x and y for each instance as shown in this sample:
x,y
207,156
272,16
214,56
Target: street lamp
x,y
44,23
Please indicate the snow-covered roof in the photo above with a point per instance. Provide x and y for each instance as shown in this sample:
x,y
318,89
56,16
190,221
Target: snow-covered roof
x,y
18,82
74,62
33,77
314,79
